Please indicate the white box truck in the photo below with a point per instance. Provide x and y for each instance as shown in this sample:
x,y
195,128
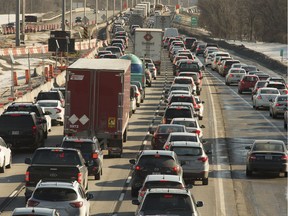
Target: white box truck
x,y
148,44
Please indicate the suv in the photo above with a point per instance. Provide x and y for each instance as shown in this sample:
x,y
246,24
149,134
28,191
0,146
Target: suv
x,y
31,107
195,161
68,198
176,112
153,162
22,129
91,151
51,95
247,83
167,201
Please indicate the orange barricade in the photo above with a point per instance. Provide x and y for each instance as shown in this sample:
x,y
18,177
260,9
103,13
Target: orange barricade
x,y
27,76
15,79
46,71
51,71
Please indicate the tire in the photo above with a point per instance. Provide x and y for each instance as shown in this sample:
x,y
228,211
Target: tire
x,y
137,104
2,169
10,163
133,111
97,176
248,172
200,117
45,134
239,91
61,123
205,181
134,192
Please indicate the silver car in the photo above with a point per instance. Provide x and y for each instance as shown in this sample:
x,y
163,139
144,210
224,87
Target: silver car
x,y
278,106
234,75
264,96
68,198
194,159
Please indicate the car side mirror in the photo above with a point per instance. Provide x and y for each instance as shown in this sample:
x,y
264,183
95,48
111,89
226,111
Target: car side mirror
x,y
199,204
202,126
132,161
135,202
89,196
28,161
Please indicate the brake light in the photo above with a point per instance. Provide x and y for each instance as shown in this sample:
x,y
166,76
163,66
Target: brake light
x,y
79,177
34,130
203,159
167,147
76,204
176,169
142,192
231,75
259,97
27,176
58,110
225,66
284,157
95,155
252,157
168,196
137,168
198,49
32,203
278,104
198,132
15,115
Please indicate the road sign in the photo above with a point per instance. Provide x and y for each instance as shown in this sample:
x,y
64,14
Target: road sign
x,y
194,21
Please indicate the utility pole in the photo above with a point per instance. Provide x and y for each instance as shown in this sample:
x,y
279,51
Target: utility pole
x,y
85,8
113,8
17,39
63,15
107,10
71,8
96,13
23,21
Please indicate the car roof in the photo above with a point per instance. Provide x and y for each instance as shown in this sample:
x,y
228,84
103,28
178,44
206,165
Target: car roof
x,y
164,177
183,133
166,125
48,101
178,107
82,139
186,144
183,77
267,88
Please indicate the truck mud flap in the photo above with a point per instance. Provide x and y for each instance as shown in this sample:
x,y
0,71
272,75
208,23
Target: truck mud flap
x,y
115,148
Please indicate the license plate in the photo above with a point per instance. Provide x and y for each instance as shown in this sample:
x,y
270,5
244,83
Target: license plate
x,y
268,157
15,132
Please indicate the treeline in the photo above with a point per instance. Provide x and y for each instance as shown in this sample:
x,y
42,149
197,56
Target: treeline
x,y
261,20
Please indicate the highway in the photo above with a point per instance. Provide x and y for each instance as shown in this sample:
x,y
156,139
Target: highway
x,y
231,124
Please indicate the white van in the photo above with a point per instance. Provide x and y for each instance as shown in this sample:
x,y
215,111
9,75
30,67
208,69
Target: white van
x,y
170,32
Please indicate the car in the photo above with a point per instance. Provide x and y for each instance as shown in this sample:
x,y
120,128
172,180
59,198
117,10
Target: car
x,y
191,66
188,41
194,159
177,63
279,85
153,70
209,49
264,96
258,84
140,89
180,136
183,92
208,60
161,133
249,68
5,155
217,55
102,52
50,95
186,81
91,151
177,87
276,79
196,78
137,95
200,49
108,56
22,130
176,111
278,106
247,83
162,181
267,156
226,66
55,110
186,53
285,119
234,75
220,61
192,125
68,198
154,162
121,46
30,211
167,201
60,88
32,107
185,104
115,50
148,77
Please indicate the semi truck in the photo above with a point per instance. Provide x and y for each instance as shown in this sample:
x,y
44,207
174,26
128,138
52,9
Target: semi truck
x,y
147,44
98,101
162,21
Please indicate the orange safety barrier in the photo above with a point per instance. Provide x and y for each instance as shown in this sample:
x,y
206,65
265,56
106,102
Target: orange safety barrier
x,y
27,76
15,79
51,71
46,72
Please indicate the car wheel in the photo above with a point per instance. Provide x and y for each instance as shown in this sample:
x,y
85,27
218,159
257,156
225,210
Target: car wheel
x,y
133,111
138,105
46,134
10,162
97,176
239,91
61,123
248,172
205,181
134,192
2,169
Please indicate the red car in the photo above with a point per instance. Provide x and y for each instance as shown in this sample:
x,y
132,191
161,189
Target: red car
x,y
247,83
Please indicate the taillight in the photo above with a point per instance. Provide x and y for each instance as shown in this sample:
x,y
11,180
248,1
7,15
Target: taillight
x,y
136,94
284,157
231,75
252,157
34,130
167,147
176,169
57,110
76,204
225,66
198,132
259,97
203,159
95,155
27,176
32,203
137,168
278,104
79,177
198,49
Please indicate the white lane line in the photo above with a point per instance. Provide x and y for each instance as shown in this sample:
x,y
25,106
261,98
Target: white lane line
x,y
13,194
121,197
218,180
246,102
128,179
144,142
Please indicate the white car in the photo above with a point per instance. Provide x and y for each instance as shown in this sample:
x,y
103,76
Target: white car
x,y
153,70
200,107
55,109
264,96
137,95
234,75
48,120
5,156
68,198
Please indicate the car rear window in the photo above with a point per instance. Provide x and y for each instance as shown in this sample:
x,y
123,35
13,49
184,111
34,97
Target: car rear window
x,y
269,91
183,81
163,184
186,123
113,49
156,161
184,88
283,98
48,96
85,147
174,138
47,104
170,129
250,79
278,86
192,67
187,151
25,108
181,99
179,204
56,157
194,76
15,121
268,147
55,194
178,113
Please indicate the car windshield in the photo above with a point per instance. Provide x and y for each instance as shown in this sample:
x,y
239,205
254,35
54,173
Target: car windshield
x,y
269,91
181,99
163,204
187,151
24,108
55,194
163,184
170,129
48,96
183,81
178,113
48,104
186,123
268,147
174,138
149,161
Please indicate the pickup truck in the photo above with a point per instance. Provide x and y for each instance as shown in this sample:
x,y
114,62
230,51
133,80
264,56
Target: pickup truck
x,y
55,163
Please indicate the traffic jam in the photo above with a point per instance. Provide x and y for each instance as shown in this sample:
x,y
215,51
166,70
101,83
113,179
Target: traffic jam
x,y
101,96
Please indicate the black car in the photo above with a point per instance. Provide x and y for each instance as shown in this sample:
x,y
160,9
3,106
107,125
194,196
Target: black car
x,y
30,107
91,151
153,162
22,130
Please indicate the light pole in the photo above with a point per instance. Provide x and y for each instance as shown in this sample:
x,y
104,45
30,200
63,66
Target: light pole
x,y
113,8
85,8
96,13
107,10
71,3
63,15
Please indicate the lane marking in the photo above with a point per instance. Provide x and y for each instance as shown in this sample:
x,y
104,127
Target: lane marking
x,y
128,179
121,197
